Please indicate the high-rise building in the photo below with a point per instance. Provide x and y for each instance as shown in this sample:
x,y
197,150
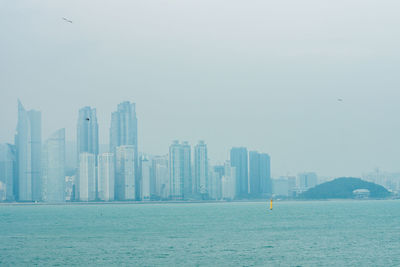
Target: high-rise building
x,y
238,158
125,186
7,171
201,169
86,190
123,131
161,183
180,170
146,178
28,141
214,184
106,176
259,174
228,182
53,176
307,180
87,132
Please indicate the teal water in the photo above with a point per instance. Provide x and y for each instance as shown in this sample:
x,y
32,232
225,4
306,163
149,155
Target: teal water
x,y
331,233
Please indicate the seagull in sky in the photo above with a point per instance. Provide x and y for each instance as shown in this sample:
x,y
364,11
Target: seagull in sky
x,y
340,100
67,20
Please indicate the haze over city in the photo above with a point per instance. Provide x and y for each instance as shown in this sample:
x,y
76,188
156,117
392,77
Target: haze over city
x,y
241,74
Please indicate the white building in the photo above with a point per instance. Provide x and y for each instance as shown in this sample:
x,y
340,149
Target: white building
x,y
87,177
201,169
146,179
53,168
229,182
7,161
106,176
161,177
125,187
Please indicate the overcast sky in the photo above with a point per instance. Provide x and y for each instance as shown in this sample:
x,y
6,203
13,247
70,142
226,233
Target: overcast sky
x,y
261,74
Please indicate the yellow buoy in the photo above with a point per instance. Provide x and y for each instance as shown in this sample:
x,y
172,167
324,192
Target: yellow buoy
x,y
270,204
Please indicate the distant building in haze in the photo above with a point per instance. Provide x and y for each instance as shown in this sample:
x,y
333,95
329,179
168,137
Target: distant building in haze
x,y
160,178
215,182
280,187
86,189
228,182
7,171
87,132
180,170
28,142
146,178
259,174
201,169
125,185
123,132
106,176
53,176
238,159
307,180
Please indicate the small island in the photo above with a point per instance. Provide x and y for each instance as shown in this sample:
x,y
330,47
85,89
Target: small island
x,y
345,188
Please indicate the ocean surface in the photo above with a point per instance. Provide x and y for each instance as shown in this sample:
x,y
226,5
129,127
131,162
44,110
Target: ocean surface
x,y
314,233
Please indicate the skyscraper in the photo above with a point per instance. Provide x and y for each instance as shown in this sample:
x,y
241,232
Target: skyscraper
x,y
228,182
123,131
53,176
28,141
7,171
201,169
238,158
106,176
161,177
87,177
125,186
87,132
259,174
180,170
146,178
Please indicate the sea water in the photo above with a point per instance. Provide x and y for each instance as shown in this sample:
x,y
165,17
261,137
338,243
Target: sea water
x,y
314,233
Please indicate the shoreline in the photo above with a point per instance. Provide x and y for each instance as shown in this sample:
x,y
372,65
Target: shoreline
x,y
77,203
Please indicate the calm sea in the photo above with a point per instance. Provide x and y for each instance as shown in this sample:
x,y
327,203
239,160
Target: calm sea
x,y
330,233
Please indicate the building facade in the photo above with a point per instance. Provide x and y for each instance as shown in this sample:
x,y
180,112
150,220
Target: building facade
x,y
28,142
125,180
86,189
239,160
106,176
201,181
53,168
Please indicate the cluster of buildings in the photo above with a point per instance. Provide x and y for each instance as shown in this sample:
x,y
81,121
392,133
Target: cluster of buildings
x,y
35,171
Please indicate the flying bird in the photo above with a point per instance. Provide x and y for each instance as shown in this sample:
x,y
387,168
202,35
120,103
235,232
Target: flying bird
x,y
339,99
67,20
87,119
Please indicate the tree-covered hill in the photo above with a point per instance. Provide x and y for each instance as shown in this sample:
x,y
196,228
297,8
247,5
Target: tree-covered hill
x,y
343,188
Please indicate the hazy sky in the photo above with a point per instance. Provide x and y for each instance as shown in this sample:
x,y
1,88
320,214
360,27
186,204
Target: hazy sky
x,y
261,74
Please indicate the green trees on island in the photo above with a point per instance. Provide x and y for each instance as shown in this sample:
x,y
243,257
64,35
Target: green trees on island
x,y
343,188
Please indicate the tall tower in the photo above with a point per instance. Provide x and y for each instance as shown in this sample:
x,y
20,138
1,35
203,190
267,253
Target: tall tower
x,y
125,186
201,169
123,131
238,158
87,132
53,176
180,170
28,141
259,174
